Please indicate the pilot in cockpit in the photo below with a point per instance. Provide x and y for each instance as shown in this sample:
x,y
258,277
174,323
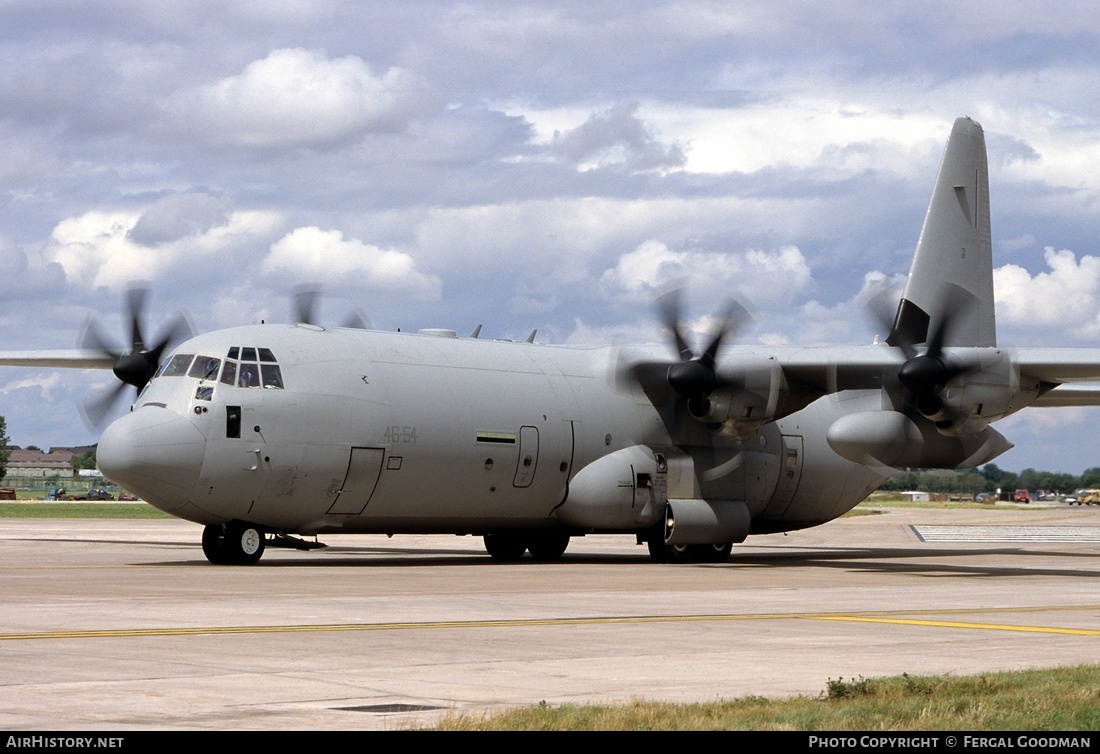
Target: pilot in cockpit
x,y
249,376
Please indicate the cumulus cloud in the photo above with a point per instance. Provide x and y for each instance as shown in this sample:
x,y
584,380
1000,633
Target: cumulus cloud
x,y
865,316
769,275
325,255
44,382
616,138
296,97
179,216
1066,297
99,248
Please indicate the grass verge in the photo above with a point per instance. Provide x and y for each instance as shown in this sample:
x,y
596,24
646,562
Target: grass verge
x,y
1062,699
34,509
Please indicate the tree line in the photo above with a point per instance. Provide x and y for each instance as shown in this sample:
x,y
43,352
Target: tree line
x,y
990,478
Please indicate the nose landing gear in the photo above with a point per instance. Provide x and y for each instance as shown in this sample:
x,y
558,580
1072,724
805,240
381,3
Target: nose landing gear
x,y
233,543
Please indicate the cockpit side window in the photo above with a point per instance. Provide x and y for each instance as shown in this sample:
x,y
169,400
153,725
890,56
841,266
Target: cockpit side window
x,y
272,376
177,366
205,368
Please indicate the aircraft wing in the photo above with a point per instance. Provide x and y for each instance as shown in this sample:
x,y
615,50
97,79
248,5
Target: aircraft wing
x,y
66,359
829,370
1059,366
832,370
1070,395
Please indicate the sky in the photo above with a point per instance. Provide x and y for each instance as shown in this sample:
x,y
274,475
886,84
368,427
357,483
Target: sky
x,y
538,165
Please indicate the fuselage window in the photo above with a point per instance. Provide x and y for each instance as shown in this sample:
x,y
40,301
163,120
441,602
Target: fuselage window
x,y
177,366
233,353
229,373
272,375
205,368
248,354
266,355
250,375
204,393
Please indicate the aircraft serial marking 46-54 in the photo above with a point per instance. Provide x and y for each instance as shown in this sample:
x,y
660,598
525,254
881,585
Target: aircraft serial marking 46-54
x,y
264,434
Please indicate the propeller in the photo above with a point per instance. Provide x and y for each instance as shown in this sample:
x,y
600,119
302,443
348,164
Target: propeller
x,y
925,374
305,309
134,365
695,375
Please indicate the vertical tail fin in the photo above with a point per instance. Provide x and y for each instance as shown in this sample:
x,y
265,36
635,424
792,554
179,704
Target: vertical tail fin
x,y
950,285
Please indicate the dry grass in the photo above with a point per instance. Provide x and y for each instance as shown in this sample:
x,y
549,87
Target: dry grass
x,y
1062,699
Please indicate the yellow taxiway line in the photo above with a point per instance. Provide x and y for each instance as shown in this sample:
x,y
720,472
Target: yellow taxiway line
x,y
893,618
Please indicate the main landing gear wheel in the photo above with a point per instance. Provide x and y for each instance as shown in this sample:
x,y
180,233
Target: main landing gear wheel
x,y
505,546
662,553
235,543
716,553
212,544
548,546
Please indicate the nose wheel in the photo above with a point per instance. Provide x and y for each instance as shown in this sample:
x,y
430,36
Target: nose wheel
x,y
233,543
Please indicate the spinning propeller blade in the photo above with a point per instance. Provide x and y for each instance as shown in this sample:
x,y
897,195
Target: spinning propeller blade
x,y
925,374
305,309
136,364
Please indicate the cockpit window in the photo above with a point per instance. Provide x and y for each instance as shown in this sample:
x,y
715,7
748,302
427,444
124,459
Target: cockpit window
x,y
205,368
257,368
229,374
177,366
272,375
250,375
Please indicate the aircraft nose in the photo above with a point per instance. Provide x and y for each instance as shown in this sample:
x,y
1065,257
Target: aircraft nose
x,y
154,453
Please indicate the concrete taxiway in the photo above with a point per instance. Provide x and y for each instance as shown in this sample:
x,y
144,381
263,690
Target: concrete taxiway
x,y
123,625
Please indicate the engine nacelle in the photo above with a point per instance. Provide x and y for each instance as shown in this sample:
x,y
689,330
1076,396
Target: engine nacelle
x,y
626,489
753,395
988,389
706,522
890,438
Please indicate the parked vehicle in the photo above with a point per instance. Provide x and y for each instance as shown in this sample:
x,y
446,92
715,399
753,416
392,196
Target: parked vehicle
x,y
96,494
1088,497
1022,496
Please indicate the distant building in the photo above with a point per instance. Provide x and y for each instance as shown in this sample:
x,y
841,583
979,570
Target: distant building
x,y
35,463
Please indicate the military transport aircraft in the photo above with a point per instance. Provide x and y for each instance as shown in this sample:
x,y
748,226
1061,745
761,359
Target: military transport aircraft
x,y
268,433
